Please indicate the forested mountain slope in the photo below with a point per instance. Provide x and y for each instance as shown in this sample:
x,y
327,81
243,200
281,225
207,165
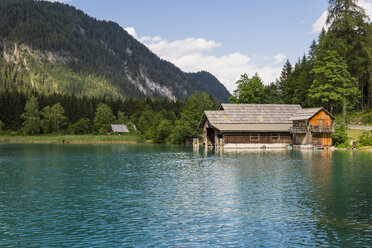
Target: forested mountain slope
x,y
54,48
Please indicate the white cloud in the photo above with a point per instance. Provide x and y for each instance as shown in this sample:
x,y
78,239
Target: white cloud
x,y
194,54
279,58
179,47
61,1
227,68
367,6
131,31
321,21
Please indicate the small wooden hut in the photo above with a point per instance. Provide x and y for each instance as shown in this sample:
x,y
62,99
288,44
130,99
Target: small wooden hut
x,y
312,126
119,128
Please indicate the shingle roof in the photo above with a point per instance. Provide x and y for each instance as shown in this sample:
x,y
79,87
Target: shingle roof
x,y
119,128
252,117
253,114
253,127
307,113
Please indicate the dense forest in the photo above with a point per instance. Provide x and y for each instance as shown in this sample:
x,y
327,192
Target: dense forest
x,y
52,48
161,120
335,74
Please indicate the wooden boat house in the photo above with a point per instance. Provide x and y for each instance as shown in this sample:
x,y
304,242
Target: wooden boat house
x,y
312,126
236,126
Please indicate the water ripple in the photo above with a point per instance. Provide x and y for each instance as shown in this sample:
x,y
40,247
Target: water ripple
x,y
166,196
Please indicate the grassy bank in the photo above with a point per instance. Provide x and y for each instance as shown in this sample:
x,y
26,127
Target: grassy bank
x,y
73,139
362,117
354,134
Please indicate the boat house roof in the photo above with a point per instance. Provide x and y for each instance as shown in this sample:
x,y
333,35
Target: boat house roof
x,y
252,117
121,128
308,113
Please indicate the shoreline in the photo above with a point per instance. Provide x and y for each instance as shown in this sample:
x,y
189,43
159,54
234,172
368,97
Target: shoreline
x,y
355,149
71,139
104,139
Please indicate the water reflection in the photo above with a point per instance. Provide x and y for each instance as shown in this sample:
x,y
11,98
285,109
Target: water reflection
x,y
342,196
144,195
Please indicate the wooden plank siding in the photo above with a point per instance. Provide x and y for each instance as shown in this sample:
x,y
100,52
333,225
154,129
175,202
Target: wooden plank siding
x,y
322,139
299,139
262,138
321,119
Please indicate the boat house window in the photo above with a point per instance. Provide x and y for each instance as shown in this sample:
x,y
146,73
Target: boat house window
x,y
274,136
254,136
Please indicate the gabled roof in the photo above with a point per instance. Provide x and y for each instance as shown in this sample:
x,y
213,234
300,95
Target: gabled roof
x,y
254,117
253,113
121,128
308,113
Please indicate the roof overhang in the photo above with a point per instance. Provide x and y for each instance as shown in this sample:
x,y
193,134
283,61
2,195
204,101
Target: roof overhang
x,y
301,118
253,127
202,121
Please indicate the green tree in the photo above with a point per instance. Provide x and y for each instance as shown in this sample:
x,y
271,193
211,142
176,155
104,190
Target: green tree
x,y
162,126
54,117
131,127
346,17
366,138
187,125
81,127
249,90
300,82
163,131
122,118
31,116
285,86
1,126
46,123
272,93
144,122
339,137
348,36
103,118
333,86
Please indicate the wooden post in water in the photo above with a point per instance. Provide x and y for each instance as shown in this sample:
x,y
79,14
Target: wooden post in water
x,y
195,144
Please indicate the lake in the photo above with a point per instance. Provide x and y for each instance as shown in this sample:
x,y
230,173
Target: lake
x,y
167,196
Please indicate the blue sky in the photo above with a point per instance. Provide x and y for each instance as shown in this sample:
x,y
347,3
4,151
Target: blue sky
x,y
226,38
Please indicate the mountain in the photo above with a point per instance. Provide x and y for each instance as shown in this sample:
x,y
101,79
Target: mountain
x,y
55,48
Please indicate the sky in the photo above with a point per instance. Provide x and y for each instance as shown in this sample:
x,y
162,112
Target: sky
x,y
224,37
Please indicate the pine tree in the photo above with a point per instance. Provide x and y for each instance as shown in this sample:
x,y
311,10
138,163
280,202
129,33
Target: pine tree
x,y
285,83
31,125
333,86
347,35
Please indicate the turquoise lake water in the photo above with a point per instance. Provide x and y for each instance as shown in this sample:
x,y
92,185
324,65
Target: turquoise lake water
x,y
167,196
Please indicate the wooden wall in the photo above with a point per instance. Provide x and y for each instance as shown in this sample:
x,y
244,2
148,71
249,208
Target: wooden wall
x,y
260,138
321,119
322,139
208,135
299,123
299,139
